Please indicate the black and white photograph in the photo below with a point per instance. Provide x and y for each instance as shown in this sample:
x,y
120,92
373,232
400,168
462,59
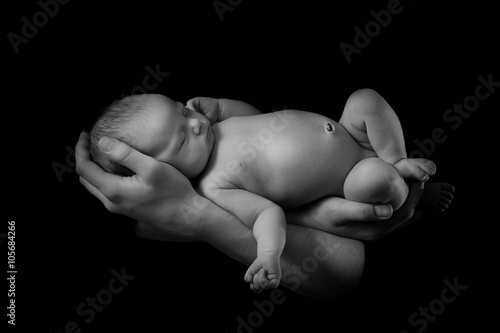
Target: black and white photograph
x,y
250,166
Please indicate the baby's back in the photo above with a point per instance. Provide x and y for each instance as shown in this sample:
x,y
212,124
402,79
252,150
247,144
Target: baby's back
x,y
289,157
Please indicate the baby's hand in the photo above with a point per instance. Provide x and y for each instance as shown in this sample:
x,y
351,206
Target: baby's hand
x,y
209,107
264,272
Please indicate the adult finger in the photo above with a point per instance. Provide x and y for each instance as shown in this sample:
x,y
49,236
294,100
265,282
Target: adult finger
x,y
90,171
82,147
360,211
96,193
125,155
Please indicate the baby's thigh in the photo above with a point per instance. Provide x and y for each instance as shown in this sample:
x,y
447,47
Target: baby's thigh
x,y
358,105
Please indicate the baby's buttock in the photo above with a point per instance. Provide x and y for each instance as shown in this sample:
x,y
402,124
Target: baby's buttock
x,y
309,160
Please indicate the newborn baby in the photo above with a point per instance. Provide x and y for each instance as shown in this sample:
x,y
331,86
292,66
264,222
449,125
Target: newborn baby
x,y
255,165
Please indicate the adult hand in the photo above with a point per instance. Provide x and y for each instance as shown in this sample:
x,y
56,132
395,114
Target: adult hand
x,y
401,218
157,193
357,220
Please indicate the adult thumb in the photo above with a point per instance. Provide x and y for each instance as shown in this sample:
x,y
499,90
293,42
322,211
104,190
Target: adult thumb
x,y
107,145
123,154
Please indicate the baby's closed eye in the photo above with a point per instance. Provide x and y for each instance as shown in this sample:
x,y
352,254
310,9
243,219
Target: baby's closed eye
x,y
184,139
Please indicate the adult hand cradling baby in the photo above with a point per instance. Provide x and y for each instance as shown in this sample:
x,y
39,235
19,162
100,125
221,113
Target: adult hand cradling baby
x,y
151,195
158,194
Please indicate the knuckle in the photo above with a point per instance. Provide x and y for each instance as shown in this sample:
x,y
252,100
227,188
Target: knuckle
x,y
112,195
111,207
122,153
367,212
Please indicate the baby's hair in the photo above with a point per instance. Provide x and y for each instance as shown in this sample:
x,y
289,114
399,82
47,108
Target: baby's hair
x,y
119,121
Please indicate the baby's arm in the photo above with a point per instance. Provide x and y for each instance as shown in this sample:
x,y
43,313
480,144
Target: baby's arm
x,y
269,228
231,108
217,110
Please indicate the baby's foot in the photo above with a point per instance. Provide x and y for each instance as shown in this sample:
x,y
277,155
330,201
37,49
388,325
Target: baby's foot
x,y
436,197
416,168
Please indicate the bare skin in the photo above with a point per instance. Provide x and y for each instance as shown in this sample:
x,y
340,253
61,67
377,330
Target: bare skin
x,y
254,165
264,162
156,205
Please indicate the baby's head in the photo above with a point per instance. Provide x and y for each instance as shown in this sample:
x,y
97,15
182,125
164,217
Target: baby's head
x,y
156,126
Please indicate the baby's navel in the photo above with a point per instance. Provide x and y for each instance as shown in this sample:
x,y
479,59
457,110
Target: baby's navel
x,y
329,128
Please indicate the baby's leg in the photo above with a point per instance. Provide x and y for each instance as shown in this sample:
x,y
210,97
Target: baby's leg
x,y
375,126
375,181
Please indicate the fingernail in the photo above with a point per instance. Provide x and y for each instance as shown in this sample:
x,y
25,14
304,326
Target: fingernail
x,y
382,211
106,144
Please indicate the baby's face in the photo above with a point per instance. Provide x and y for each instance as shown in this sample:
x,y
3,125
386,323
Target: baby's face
x,y
177,135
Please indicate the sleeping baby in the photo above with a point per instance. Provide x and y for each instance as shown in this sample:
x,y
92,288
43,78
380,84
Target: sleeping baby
x,y
254,165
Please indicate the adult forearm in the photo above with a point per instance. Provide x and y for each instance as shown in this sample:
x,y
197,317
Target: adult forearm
x,y
356,220
320,265
314,263
227,233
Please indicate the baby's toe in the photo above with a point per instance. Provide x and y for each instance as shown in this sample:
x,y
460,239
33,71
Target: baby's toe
x,y
442,206
445,187
446,199
446,194
428,167
420,175
416,168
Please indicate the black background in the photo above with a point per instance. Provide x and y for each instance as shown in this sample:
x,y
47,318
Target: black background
x,y
284,54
